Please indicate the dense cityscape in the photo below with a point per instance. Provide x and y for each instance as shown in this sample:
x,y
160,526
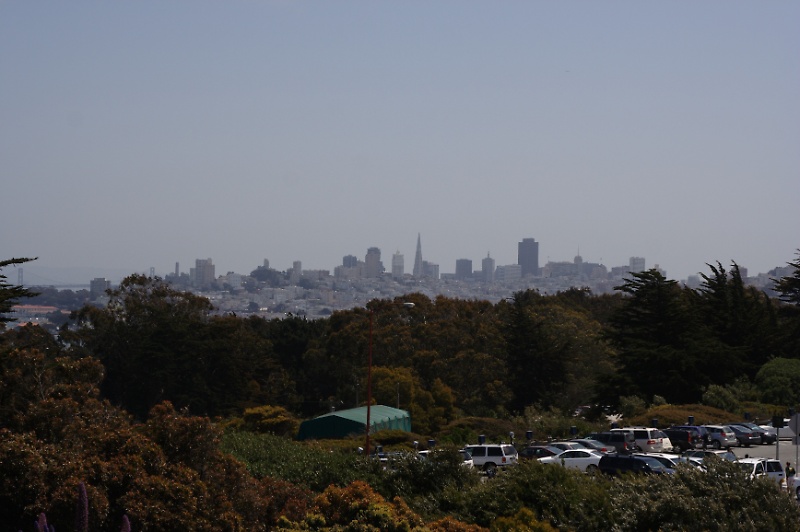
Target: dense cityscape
x,y
317,293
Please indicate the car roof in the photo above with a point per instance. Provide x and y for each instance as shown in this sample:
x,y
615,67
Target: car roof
x,y
751,460
662,455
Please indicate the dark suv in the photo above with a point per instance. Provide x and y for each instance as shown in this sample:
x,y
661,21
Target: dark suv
x,y
627,463
682,439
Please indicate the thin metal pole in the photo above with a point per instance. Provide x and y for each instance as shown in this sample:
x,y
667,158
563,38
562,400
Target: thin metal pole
x,y
369,380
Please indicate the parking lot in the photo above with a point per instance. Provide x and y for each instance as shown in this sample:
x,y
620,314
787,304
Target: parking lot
x,y
786,452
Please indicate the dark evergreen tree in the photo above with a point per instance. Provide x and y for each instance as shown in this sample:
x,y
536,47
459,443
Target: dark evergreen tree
x,y
144,338
739,325
656,339
11,294
536,363
788,288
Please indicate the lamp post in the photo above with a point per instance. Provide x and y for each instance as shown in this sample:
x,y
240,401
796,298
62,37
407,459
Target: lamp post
x,y
369,381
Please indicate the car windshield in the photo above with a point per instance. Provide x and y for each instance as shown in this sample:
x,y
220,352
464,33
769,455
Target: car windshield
x,y
654,464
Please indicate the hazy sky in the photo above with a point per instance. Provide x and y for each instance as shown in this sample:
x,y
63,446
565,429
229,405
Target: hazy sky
x,y
141,134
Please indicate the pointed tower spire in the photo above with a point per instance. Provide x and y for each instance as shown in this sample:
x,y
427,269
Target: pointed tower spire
x,y
418,259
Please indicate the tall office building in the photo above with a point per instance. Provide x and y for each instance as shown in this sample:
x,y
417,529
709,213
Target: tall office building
x,y
463,269
203,273
373,267
528,256
430,269
418,269
487,269
397,265
297,271
636,264
98,287
350,261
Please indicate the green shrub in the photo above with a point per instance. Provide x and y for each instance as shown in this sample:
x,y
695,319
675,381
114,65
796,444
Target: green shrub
x,y
306,464
723,498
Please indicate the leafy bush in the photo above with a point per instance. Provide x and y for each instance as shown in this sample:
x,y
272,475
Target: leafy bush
x,y
679,415
309,465
552,423
270,420
466,430
721,397
564,498
723,498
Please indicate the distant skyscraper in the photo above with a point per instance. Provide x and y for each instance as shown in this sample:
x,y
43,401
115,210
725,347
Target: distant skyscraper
x,y
203,273
636,264
98,287
487,268
373,267
350,261
418,269
429,269
463,269
528,256
397,265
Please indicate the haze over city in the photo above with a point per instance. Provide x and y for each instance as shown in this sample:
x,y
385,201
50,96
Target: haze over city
x,y
138,135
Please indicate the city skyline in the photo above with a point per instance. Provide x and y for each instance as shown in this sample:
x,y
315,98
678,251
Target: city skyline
x,y
34,274
136,135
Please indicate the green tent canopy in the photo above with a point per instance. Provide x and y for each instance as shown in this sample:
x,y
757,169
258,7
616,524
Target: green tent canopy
x,y
344,423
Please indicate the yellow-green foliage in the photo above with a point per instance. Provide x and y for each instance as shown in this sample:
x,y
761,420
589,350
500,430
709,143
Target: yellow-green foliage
x,y
679,415
270,420
359,503
523,521
760,411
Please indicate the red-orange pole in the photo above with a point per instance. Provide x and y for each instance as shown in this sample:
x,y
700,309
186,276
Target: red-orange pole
x,y
369,380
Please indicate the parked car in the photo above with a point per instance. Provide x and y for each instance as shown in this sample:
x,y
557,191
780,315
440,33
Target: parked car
x,y
753,467
566,445
617,464
768,436
720,453
775,471
489,457
767,467
538,451
649,440
582,459
466,458
783,433
621,441
670,461
699,432
720,436
595,445
681,439
745,436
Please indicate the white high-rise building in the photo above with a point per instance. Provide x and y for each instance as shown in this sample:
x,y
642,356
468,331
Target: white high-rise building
x,y
636,264
398,265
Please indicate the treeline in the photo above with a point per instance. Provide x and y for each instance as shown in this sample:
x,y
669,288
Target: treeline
x,y
446,358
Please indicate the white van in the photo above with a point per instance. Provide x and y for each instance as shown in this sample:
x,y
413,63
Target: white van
x,y
649,440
